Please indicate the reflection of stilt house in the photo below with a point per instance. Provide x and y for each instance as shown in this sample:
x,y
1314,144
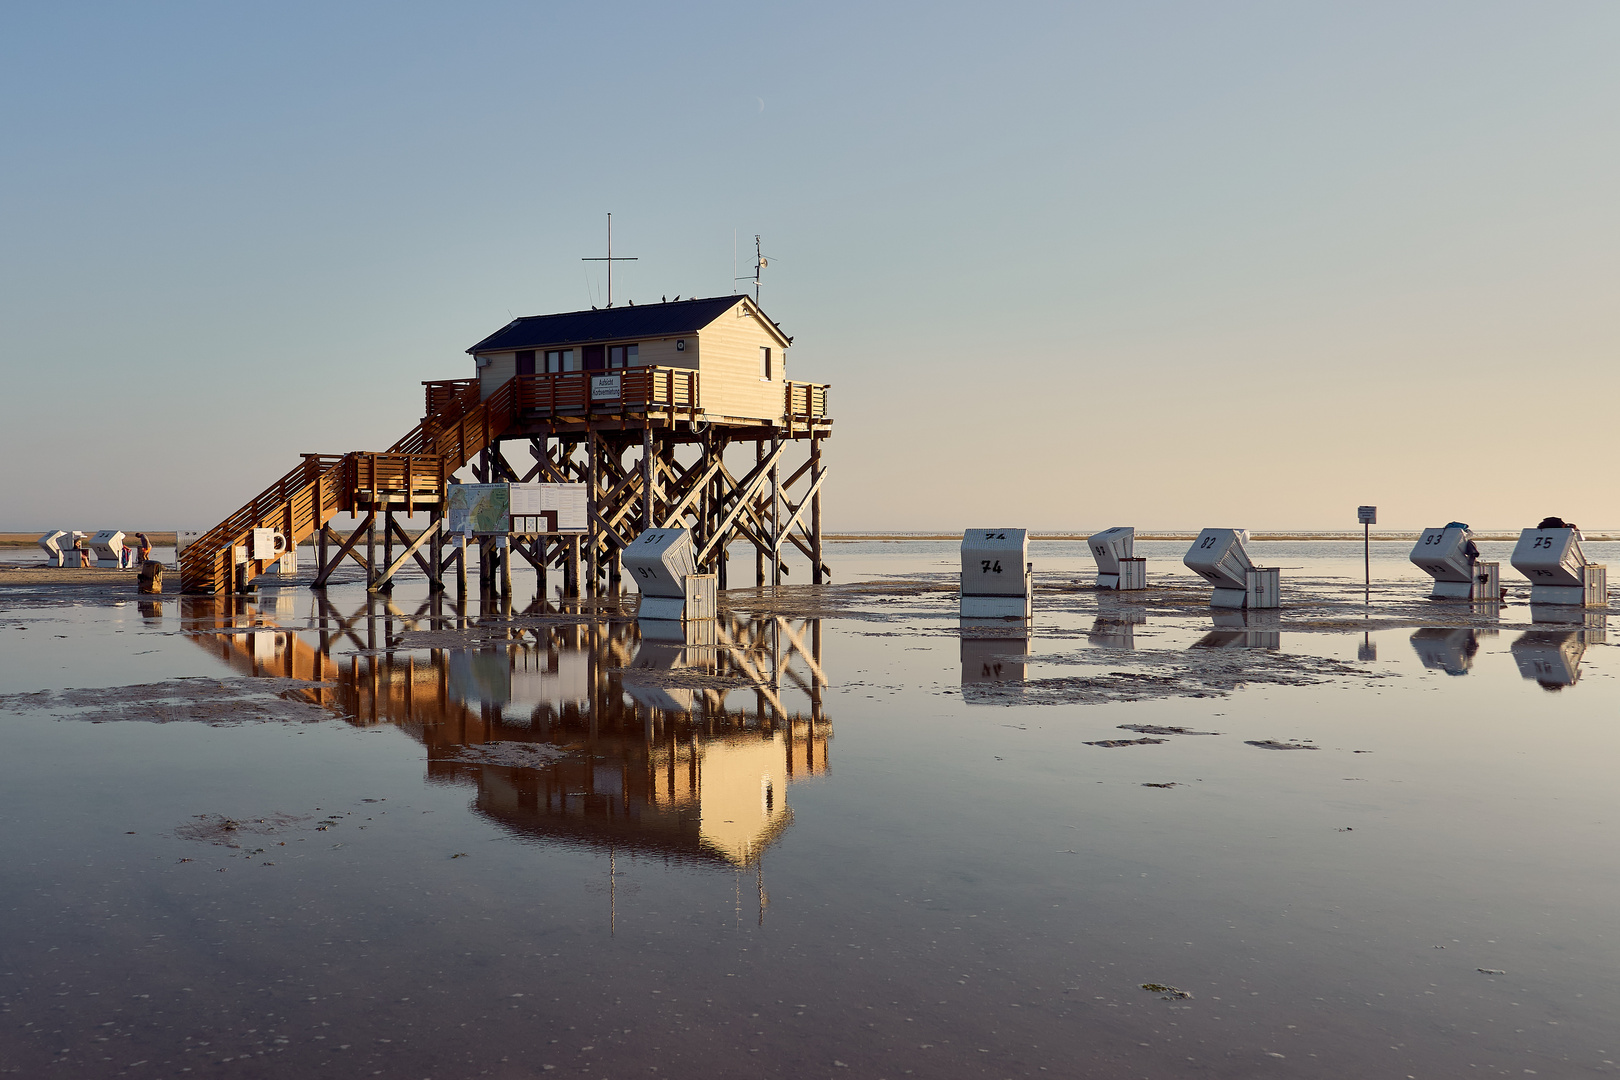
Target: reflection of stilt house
x,y
705,781
676,414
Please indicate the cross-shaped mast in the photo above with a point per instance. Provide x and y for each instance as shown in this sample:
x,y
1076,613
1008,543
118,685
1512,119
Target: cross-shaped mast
x,y
610,260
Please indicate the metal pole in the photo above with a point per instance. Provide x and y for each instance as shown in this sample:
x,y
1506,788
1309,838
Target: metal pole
x,y
1366,560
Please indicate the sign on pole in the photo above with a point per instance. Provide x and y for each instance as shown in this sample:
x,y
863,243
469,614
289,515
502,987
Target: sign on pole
x,y
1368,516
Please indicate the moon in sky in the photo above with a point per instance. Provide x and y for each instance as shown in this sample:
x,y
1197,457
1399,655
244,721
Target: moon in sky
x,y
761,104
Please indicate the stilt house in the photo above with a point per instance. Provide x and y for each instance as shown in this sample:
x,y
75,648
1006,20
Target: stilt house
x,y
737,356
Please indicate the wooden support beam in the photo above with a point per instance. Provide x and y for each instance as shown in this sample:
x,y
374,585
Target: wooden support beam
x,y
776,514
648,474
592,493
817,471
347,548
744,491
797,511
410,551
405,538
751,526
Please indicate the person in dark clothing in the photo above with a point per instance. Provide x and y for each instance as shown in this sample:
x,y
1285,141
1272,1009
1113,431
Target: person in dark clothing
x,y
1555,523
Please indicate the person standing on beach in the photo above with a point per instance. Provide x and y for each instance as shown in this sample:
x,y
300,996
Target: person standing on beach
x,y
145,551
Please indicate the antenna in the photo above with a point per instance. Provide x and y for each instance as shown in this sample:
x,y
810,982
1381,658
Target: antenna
x,y
610,260
759,264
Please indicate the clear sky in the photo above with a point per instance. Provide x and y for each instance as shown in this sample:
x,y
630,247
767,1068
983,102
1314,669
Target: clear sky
x,y
1163,264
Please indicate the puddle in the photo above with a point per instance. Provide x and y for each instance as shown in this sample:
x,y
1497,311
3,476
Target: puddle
x,y
843,826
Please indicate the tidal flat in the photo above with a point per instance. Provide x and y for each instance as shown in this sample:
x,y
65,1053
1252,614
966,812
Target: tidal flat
x,y
841,834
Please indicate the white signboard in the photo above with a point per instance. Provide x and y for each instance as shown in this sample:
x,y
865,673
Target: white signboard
x,y
1367,515
605,387
538,508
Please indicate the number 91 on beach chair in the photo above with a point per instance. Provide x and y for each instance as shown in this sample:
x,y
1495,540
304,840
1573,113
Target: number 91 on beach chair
x,y
996,574
662,564
1116,567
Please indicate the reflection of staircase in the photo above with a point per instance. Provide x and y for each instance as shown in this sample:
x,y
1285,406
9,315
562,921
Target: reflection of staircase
x,y
410,475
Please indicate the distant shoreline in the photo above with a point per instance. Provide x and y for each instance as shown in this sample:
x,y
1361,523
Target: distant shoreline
x,y
166,539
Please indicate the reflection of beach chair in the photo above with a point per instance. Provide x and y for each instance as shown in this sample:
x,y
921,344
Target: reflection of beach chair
x,y
990,663
1448,649
1551,657
1241,630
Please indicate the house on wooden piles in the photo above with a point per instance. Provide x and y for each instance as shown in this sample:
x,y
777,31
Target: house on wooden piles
x,y
736,355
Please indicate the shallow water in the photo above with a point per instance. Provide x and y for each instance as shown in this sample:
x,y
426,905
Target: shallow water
x,y
847,837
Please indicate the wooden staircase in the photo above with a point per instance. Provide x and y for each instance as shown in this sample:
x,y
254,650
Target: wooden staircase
x,y
411,474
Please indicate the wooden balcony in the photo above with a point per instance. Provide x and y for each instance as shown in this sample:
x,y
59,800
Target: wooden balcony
x,y
397,481
658,393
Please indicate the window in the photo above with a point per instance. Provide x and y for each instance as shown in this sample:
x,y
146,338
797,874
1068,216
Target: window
x,y
623,356
525,361
765,361
560,360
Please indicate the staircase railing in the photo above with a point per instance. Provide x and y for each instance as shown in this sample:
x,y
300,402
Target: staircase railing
x,y
456,428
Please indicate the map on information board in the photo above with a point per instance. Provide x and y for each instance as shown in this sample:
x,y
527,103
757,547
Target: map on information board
x,y
478,508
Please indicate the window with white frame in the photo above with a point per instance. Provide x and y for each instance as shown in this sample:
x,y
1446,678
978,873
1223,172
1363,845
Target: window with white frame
x,y
623,356
558,360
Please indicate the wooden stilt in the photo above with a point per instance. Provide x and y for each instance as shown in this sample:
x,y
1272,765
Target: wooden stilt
x,y
815,514
436,558
571,570
592,493
776,515
382,582
320,557
648,473
759,552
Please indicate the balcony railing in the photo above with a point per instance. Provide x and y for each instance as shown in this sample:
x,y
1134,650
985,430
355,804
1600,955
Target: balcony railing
x,y
673,391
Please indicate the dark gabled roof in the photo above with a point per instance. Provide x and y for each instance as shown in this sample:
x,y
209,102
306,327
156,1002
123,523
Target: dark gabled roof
x,y
610,324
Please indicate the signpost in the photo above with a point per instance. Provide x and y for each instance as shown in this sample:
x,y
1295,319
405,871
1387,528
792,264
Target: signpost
x,y
1368,516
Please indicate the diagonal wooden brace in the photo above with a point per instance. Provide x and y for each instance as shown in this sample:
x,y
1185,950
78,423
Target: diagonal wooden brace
x,y
744,493
399,561
346,549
